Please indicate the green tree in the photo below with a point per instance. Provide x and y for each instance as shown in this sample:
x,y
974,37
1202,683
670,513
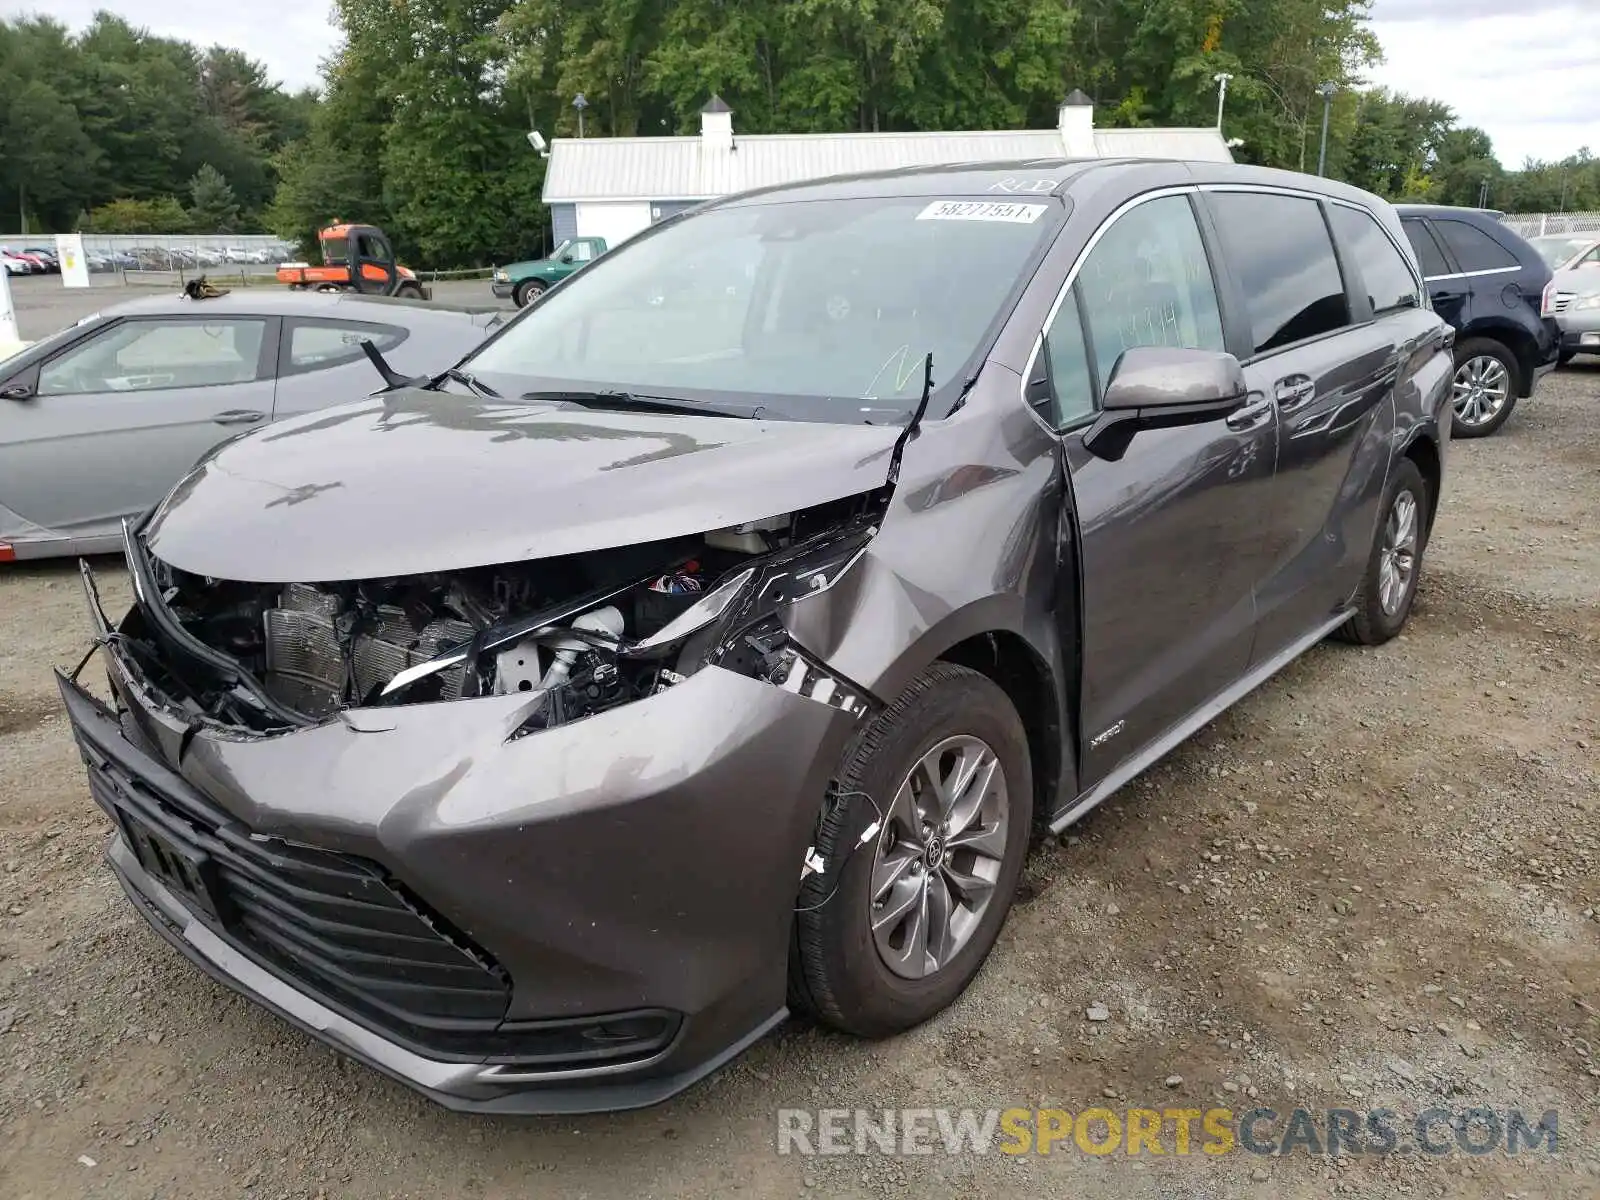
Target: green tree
x,y
213,207
160,214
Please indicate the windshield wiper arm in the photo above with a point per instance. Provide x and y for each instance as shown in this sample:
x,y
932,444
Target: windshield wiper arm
x,y
467,378
637,402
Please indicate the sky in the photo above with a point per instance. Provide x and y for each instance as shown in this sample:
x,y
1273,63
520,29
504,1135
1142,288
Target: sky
x,y
1526,71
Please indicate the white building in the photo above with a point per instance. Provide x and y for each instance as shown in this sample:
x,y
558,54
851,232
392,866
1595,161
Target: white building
x,y
614,187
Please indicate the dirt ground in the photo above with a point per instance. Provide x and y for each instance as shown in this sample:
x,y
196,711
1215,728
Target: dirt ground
x,y
1372,884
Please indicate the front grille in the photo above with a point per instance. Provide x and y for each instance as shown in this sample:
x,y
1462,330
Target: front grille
x,y
1562,300
338,924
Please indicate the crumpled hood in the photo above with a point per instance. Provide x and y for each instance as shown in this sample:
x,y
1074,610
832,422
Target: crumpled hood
x,y
416,481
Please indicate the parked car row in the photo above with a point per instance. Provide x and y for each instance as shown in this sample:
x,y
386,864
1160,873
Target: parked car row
x,y
33,260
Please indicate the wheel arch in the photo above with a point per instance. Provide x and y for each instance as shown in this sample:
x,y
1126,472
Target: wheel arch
x,y
1006,658
1423,450
1521,343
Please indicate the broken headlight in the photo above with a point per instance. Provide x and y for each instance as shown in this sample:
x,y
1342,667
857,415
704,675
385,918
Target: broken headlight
x,y
580,660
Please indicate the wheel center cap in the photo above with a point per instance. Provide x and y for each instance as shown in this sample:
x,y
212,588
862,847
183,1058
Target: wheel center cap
x,y
935,851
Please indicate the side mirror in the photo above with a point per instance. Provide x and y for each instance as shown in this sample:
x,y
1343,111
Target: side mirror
x,y
567,257
1159,387
22,387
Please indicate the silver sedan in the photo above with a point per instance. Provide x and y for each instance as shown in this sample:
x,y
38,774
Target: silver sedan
x,y
98,422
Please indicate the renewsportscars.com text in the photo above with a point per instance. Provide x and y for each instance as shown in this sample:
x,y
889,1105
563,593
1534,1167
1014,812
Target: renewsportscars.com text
x,y
1164,1131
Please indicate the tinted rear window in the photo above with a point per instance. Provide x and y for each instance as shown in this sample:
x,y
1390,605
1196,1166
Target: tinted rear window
x,y
1474,249
1428,252
1280,251
1384,270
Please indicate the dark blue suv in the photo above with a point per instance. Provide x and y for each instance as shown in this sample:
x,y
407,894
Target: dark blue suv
x,y
1496,290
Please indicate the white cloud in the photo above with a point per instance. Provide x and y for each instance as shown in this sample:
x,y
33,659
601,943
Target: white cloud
x,y
1527,73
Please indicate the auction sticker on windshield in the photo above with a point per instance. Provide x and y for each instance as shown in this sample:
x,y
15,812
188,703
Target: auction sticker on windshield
x,y
981,210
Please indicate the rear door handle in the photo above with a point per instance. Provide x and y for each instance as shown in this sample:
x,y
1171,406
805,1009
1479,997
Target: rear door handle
x,y
238,416
1257,412
1295,391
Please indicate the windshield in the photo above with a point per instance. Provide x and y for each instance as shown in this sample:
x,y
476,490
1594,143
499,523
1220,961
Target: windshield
x,y
820,310
1556,251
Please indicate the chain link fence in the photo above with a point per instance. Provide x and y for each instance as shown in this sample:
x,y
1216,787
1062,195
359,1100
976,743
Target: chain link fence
x,y
1540,224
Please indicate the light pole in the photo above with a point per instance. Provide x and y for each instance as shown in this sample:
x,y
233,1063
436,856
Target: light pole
x,y
579,103
1326,91
1221,79
1483,193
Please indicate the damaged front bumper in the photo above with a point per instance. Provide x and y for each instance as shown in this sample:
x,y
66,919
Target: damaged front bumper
x,y
589,918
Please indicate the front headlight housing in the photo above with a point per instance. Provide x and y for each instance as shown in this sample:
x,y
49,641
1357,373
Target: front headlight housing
x,y
735,625
501,277
1585,302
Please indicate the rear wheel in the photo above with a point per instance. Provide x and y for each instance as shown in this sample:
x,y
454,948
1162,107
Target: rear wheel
x,y
1394,566
893,929
1485,388
1565,356
528,291
409,291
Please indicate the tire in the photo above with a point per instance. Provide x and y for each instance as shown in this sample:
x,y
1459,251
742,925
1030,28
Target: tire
x,y
528,291
1565,356
838,973
1375,621
1490,366
409,291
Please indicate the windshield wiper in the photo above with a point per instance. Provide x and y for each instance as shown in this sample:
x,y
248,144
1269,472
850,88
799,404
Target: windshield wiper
x,y
467,378
636,402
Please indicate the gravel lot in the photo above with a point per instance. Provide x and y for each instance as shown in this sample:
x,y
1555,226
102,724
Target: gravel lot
x,y
1373,884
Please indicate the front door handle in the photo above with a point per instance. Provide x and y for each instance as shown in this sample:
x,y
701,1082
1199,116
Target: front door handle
x,y
238,416
1295,391
1254,414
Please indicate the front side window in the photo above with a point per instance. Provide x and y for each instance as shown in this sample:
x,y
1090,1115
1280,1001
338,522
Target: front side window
x,y
582,252
1067,354
816,310
1147,282
140,356
1390,284
1281,252
1474,249
1428,253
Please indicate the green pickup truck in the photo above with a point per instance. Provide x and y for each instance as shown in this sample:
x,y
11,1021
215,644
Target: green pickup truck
x,y
525,282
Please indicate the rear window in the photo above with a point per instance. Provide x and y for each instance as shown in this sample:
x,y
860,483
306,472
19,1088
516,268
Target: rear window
x,y
1280,250
1387,275
1428,252
1474,249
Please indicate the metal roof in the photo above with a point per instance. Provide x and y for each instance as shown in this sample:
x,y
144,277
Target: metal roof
x,y
686,168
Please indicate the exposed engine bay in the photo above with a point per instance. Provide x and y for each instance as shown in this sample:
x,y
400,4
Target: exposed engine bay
x,y
585,632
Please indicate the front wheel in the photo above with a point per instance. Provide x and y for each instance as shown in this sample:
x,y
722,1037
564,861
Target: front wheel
x,y
528,291
1390,584
895,927
1485,387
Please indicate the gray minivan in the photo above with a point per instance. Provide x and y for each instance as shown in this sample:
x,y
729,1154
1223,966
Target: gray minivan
x,y
709,644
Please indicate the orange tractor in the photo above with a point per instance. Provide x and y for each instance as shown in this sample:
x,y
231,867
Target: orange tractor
x,y
355,258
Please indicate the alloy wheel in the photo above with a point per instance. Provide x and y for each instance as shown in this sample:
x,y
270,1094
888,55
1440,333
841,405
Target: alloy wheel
x,y
1397,560
1481,388
939,856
